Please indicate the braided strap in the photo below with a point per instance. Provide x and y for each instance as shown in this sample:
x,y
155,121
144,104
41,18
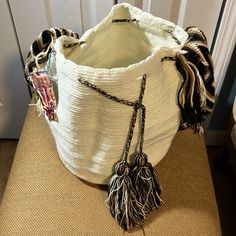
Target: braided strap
x,y
196,94
41,48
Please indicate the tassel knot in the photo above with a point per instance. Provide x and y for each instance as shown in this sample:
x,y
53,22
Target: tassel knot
x,y
141,159
122,169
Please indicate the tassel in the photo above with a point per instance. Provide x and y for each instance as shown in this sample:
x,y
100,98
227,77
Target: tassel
x,y
192,96
122,201
196,94
122,196
145,183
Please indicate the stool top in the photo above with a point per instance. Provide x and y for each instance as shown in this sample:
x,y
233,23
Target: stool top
x,y
43,198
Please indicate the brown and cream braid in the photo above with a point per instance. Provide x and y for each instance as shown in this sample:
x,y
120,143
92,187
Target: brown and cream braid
x,y
196,94
41,48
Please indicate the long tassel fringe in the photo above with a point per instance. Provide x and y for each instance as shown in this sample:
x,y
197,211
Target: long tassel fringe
x,y
196,94
122,201
146,184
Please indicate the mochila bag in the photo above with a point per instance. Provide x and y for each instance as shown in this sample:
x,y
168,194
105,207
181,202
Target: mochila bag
x,y
115,98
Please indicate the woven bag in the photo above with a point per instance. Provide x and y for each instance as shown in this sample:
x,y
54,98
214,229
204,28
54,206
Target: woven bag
x,y
129,62
91,130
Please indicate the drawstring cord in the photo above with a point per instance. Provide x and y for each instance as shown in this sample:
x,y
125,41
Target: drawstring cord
x,y
137,105
132,191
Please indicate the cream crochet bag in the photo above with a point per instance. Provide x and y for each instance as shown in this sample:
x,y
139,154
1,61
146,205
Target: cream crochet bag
x,y
129,49
91,130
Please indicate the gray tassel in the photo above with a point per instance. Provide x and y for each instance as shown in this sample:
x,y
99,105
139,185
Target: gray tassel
x,y
122,201
145,183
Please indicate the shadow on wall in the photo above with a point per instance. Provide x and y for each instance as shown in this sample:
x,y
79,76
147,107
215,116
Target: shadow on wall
x,y
16,98
224,105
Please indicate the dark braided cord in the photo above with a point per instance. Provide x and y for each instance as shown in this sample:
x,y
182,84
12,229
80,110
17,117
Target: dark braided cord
x,y
123,20
137,105
131,132
105,94
143,112
142,128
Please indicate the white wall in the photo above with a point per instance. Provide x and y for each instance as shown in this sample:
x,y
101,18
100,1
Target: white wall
x,y
14,95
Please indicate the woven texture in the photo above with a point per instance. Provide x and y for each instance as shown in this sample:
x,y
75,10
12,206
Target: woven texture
x,y
43,198
91,130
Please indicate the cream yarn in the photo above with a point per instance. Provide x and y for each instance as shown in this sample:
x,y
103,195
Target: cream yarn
x,y
91,130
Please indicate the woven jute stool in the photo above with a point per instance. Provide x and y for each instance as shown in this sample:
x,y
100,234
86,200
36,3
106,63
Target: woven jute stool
x,y
43,198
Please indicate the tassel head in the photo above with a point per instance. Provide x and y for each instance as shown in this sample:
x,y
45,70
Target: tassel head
x,y
141,159
122,169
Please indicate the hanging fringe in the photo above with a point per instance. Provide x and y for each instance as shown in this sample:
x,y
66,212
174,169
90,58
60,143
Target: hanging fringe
x,y
196,94
122,201
143,176
146,184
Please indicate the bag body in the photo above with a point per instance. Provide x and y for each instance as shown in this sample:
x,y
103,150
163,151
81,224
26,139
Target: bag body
x,y
91,130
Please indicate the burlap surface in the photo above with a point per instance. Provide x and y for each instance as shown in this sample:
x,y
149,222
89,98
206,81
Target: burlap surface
x,y
44,198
